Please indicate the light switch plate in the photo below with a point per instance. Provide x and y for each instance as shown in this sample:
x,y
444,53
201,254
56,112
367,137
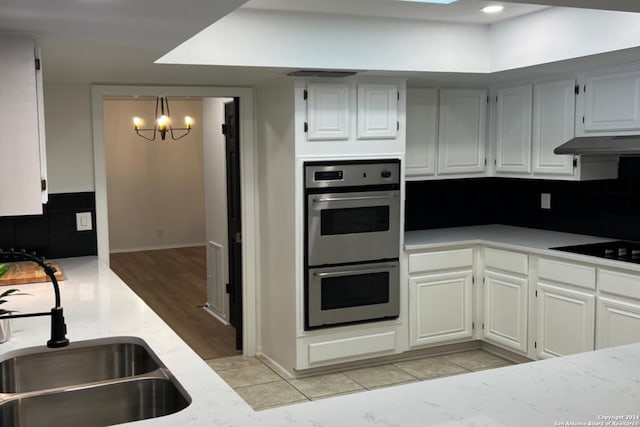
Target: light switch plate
x,y
545,201
83,221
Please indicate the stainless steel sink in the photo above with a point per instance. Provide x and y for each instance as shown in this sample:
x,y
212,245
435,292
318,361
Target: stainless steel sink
x,y
118,402
83,363
92,383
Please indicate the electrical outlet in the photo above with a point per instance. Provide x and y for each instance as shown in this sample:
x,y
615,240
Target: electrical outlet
x,y
545,201
83,221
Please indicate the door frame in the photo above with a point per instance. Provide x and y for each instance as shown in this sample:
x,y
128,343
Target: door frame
x,y
249,183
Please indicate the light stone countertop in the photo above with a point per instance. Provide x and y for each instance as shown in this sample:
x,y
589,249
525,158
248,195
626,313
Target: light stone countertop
x,y
508,237
578,388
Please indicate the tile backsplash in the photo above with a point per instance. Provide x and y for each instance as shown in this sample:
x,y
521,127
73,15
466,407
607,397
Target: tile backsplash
x,y
53,234
608,208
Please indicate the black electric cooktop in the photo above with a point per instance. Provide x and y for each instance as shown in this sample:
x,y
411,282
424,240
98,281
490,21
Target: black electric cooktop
x,y
617,250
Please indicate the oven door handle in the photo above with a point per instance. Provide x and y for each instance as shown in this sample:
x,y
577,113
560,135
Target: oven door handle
x,y
353,272
346,199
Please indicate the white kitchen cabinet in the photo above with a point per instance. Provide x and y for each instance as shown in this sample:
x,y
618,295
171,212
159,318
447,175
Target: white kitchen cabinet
x,y
339,347
618,322
378,111
440,306
422,132
505,310
505,289
23,165
328,111
553,125
462,131
513,129
618,308
440,296
566,320
609,103
565,307
526,131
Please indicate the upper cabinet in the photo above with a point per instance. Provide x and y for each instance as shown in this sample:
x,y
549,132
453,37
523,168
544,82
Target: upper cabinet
x,y
446,132
422,132
328,111
378,111
529,122
462,128
609,103
513,129
553,124
350,117
23,166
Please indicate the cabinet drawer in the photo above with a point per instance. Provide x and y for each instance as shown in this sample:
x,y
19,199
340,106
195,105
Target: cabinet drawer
x,y
563,272
513,262
616,282
350,347
442,260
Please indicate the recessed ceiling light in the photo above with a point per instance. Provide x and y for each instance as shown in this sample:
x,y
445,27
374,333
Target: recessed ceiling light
x,y
496,8
432,1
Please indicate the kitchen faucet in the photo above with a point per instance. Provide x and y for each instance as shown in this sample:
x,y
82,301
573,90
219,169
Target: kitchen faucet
x,y
58,327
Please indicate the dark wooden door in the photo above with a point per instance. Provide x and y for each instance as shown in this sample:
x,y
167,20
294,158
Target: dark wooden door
x,y
234,217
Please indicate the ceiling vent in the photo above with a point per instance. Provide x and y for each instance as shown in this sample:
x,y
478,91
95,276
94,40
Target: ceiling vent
x,y
321,73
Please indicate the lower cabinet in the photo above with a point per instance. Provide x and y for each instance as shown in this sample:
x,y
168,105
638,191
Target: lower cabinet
x,y
566,320
505,309
353,344
618,322
440,306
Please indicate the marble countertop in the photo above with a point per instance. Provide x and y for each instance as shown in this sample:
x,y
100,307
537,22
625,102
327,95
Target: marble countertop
x,y
514,238
579,388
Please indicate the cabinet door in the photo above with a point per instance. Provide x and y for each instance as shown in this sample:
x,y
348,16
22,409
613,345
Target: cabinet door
x,y
612,102
461,133
565,321
422,132
328,111
553,125
378,111
505,310
618,323
440,307
513,129
20,168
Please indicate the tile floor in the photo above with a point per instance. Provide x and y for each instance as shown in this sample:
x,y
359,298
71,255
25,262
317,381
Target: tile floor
x,y
263,388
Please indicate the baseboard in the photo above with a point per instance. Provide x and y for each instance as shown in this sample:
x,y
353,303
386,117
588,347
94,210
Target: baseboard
x,y
216,315
158,247
438,350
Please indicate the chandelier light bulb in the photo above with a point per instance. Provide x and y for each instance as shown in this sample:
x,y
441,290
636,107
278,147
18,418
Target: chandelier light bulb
x,y
163,122
137,123
188,121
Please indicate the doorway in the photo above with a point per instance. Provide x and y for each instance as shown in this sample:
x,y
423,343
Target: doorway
x,y
247,183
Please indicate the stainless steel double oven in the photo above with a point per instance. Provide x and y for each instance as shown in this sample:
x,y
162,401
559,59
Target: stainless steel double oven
x,y
352,241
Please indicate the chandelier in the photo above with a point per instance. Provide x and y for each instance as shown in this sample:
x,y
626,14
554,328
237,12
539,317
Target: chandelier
x,y
162,123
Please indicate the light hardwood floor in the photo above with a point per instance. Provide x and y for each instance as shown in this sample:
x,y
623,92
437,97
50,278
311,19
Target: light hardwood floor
x,y
173,283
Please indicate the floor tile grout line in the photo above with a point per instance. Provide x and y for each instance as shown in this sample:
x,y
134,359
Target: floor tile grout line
x,y
308,398
253,385
407,372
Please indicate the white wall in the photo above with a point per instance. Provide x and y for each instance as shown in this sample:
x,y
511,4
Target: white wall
x,y
277,176
67,108
155,189
291,39
215,175
556,34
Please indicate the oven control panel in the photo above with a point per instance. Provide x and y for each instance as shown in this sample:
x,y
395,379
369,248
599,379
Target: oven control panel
x,y
352,174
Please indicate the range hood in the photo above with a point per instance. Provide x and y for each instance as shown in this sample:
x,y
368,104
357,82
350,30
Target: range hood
x,y
601,145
